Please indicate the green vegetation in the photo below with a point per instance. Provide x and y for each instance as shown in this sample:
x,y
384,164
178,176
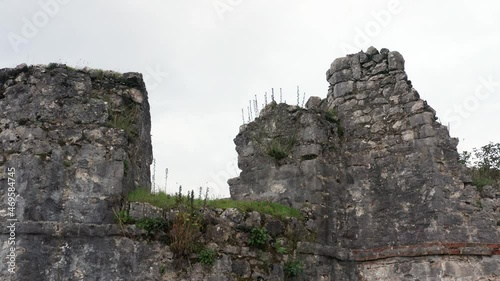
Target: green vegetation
x,y
99,73
152,226
124,120
258,237
162,269
184,234
123,217
293,268
280,248
483,164
165,201
280,148
206,256
125,166
340,130
331,115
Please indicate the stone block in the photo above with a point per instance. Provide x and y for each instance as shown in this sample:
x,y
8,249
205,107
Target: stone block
x,y
343,88
396,61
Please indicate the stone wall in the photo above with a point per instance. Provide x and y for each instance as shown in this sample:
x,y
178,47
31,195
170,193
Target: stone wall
x,y
375,176
376,170
79,141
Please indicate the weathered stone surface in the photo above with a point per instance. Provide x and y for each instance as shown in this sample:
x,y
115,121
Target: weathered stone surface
x,y
313,102
75,153
79,141
376,178
396,61
388,178
343,88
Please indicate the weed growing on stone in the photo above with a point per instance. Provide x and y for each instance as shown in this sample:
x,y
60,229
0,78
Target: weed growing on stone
x,y
258,237
123,217
280,248
293,268
153,226
162,269
184,234
279,149
124,120
166,201
331,115
125,166
340,131
206,256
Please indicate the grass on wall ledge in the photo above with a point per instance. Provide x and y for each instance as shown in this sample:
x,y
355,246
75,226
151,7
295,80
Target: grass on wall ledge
x,y
166,201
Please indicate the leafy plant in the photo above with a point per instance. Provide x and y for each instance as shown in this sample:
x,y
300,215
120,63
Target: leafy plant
x,y
152,226
123,217
280,249
293,268
207,256
484,164
258,237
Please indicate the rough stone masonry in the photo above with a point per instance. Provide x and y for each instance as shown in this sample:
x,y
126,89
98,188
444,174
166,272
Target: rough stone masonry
x,y
376,177
79,141
379,175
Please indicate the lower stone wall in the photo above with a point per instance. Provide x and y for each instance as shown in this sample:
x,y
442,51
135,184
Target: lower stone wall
x,y
82,251
432,268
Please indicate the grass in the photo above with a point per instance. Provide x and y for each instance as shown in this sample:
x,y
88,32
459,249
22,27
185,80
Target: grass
x,y
124,120
166,201
280,148
331,115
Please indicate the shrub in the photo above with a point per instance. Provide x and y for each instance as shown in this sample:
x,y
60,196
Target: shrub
x,y
258,237
293,268
207,256
184,234
484,164
152,226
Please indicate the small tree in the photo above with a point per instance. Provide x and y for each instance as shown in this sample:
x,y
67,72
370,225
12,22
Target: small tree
x,y
488,156
484,164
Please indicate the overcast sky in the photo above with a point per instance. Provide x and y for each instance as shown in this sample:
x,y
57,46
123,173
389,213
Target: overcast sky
x,y
203,60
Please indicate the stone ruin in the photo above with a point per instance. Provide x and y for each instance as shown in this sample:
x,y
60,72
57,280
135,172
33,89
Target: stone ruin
x,y
378,175
375,175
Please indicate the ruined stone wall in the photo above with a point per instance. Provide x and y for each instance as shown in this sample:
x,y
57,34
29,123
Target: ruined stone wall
x,y
376,177
78,141
391,180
